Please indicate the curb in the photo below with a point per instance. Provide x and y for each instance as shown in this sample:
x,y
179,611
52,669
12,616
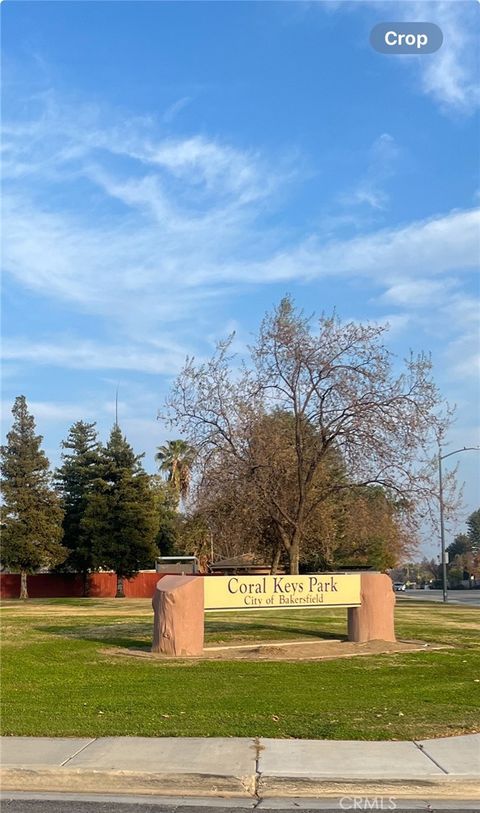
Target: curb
x,y
443,787
82,780
253,786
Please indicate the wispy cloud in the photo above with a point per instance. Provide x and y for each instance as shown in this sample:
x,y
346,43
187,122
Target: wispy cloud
x,y
103,267
432,247
418,293
460,311
381,165
463,357
450,75
89,355
184,207
172,112
151,233
48,411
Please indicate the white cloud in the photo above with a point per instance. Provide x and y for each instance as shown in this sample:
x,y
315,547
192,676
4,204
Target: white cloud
x,y
204,161
51,411
62,136
450,75
464,357
89,355
186,206
166,228
103,265
192,215
463,309
460,313
418,293
397,323
172,112
381,163
433,247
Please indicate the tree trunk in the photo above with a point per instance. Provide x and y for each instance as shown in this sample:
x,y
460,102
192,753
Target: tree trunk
x,y
294,558
276,558
23,584
86,584
120,592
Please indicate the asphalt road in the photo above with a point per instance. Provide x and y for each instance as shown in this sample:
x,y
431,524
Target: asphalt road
x,y
469,598
305,805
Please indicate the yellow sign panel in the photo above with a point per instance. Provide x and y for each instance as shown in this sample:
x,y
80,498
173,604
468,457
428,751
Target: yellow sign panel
x,y
275,592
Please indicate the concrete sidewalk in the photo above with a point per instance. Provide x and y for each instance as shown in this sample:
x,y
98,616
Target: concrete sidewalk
x,y
243,767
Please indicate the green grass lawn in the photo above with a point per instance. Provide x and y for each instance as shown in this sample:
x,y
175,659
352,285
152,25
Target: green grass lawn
x,y
61,676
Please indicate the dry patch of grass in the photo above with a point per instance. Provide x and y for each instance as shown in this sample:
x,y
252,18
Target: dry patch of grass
x,y
77,608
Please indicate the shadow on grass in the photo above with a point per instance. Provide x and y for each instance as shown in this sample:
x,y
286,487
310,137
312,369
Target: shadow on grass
x,y
139,636
248,631
124,637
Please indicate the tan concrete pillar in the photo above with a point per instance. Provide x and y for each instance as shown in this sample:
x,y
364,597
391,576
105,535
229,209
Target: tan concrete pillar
x,y
374,619
178,607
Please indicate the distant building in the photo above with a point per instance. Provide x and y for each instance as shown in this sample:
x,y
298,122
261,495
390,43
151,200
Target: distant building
x,y
245,565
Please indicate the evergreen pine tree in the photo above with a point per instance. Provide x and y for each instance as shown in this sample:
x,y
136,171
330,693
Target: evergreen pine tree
x,y
32,514
75,479
473,525
121,515
166,502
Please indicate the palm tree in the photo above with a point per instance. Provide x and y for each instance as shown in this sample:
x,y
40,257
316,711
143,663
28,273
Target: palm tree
x,y
175,460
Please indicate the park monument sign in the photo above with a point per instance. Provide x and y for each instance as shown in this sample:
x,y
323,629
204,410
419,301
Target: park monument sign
x,y
275,592
180,603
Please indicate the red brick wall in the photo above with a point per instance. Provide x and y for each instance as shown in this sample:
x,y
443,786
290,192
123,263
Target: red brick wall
x,y
58,585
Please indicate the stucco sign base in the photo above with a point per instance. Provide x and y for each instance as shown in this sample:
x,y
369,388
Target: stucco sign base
x,y
374,619
178,606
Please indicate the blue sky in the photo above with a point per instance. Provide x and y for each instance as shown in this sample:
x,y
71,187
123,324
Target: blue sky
x,y
172,169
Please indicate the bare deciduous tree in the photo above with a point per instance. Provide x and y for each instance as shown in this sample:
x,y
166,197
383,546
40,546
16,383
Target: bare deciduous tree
x,y
339,386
